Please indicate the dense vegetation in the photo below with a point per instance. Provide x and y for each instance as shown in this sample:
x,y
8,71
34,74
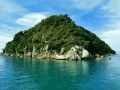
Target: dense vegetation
x,y
57,31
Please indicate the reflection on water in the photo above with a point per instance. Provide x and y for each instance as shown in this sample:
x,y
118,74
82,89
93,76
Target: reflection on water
x,y
28,74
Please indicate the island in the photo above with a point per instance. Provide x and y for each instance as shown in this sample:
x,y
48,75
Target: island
x,y
57,37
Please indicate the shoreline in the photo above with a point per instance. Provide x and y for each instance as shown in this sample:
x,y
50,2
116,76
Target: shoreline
x,y
92,57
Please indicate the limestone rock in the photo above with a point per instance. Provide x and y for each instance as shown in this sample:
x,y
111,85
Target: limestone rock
x,y
61,57
28,54
62,50
46,47
85,53
73,53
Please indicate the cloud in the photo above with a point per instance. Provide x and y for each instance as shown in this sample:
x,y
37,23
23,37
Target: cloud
x,y
9,11
4,38
7,7
111,31
112,12
112,38
30,19
6,29
7,33
86,4
112,8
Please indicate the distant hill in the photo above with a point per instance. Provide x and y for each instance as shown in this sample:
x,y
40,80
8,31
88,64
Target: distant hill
x,y
55,35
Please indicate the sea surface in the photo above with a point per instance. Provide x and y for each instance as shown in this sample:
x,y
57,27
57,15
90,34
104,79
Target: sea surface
x,y
28,74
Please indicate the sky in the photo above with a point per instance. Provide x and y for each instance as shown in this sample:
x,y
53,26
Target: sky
x,y
101,17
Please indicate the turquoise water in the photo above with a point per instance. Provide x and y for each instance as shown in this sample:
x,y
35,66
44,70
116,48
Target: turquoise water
x,y
27,74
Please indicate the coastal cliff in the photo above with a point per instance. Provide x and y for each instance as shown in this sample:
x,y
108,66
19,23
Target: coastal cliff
x,y
57,37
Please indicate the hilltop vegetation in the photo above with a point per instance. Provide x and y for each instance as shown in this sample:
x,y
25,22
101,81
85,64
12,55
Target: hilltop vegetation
x,y
57,31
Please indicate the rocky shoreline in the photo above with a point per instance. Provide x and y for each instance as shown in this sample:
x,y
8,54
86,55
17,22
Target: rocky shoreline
x,y
75,53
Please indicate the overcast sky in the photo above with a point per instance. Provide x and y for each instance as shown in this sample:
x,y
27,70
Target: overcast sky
x,y
101,17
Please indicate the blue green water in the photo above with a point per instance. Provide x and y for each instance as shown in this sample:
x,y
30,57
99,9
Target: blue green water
x,y
28,74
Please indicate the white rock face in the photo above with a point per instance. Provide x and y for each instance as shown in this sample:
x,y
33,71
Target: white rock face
x,y
62,50
73,49
61,57
28,54
76,46
73,54
85,53
46,48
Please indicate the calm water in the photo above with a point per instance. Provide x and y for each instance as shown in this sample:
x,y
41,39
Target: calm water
x,y
27,74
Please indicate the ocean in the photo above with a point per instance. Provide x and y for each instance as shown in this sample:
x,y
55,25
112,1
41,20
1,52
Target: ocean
x,y
35,74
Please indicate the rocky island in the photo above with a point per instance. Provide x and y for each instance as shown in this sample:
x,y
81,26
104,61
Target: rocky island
x,y
57,37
